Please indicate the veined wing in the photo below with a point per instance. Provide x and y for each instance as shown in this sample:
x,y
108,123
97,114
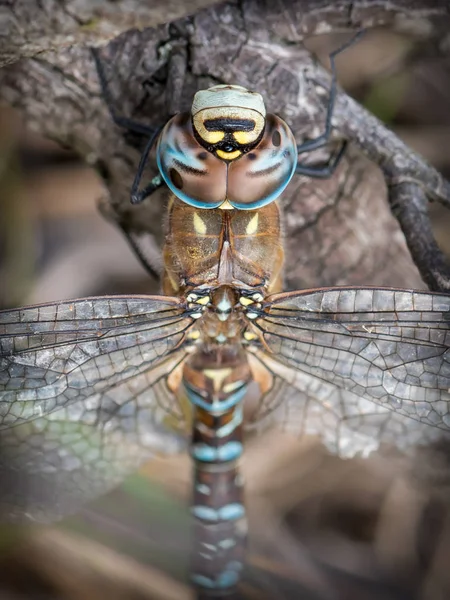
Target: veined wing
x,y
389,346
84,398
347,424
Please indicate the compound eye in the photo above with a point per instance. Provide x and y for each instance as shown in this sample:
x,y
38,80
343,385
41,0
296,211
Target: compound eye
x,y
193,174
263,174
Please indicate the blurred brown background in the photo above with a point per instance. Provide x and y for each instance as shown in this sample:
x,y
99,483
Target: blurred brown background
x,y
343,529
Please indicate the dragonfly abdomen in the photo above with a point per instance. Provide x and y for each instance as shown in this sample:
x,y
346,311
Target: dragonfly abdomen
x,y
216,383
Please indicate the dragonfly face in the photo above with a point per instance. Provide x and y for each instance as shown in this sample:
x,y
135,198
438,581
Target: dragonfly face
x,y
228,152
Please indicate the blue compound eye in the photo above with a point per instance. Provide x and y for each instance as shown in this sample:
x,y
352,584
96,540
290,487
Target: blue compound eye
x,y
193,174
262,174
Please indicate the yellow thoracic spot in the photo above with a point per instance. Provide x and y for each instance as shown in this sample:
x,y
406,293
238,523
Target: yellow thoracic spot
x,y
199,224
217,376
244,137
252,226
245,301
226,206
203,301
228,155
194,335
249,336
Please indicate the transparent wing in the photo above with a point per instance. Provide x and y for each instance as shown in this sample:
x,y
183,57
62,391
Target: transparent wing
x,y
344,347
84,398
347,424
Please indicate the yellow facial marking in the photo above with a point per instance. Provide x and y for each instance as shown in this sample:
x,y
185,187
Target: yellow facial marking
x,y
249,336
228,155
214,136
245,137
252,226
226,206
227,111
217,376
199,224
245,301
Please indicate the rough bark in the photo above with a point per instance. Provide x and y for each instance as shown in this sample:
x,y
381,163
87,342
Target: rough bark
x,y
29,27
337,231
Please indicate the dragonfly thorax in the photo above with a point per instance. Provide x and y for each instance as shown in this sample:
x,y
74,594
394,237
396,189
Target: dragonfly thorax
x,y
208,249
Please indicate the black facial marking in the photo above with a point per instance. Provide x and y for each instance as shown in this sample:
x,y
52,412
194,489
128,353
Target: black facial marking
x,y
176,178
276,138
229,125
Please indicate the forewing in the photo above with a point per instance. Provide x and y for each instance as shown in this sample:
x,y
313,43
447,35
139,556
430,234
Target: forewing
x,y
83,397
384,345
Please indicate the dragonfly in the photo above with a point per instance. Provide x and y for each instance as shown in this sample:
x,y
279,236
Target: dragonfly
x,y
91,388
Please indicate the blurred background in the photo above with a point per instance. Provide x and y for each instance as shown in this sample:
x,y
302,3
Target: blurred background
x,y
343,529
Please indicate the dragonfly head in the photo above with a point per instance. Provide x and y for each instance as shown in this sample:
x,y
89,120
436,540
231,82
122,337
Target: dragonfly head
x,y
228,120
227,152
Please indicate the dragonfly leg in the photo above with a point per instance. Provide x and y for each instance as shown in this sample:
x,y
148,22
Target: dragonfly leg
x,y
325,170
137,195
121,121
323,139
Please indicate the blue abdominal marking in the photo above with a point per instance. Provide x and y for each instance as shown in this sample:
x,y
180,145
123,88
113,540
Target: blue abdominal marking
x,y
231,426
228,543
217,407
229,512
228,578
203,489
224,453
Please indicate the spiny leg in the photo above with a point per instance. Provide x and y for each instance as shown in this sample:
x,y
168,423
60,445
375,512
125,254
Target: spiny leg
x,y
175,78
137,196
125,122
326,170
